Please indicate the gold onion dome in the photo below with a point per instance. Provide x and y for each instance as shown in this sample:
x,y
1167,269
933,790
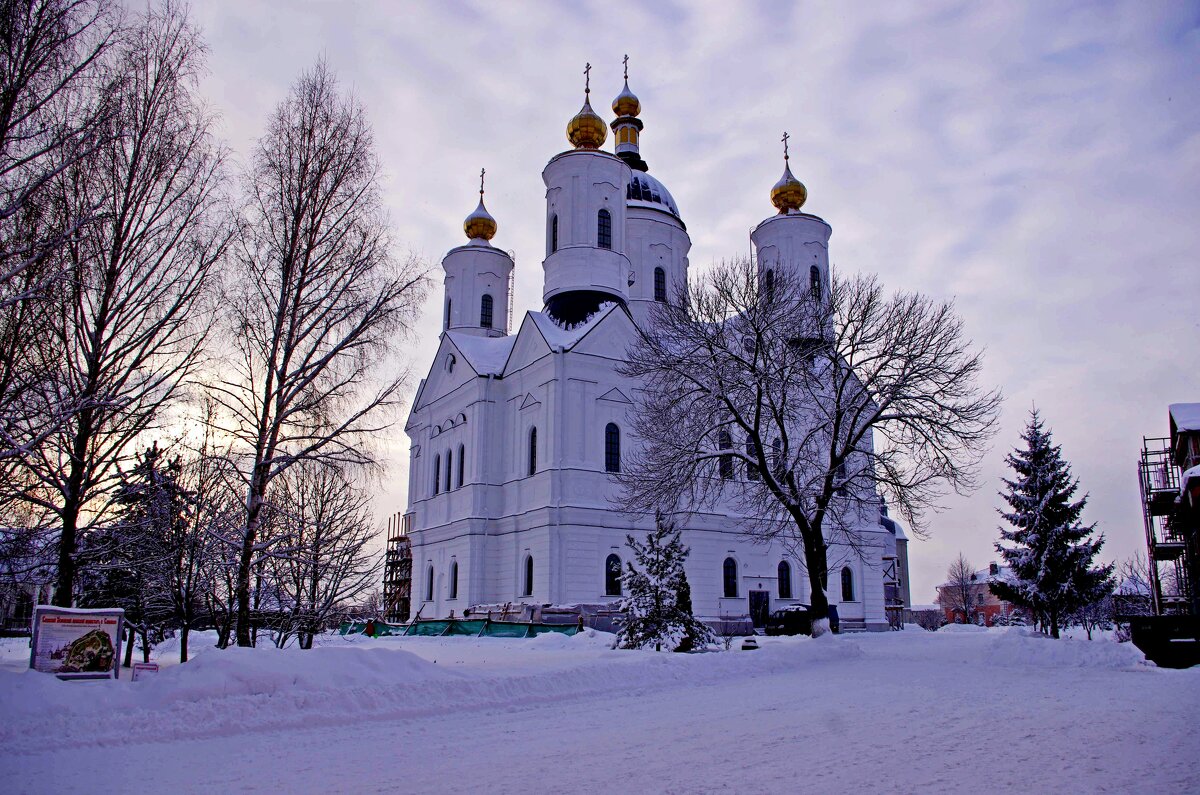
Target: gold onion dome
x,y
480,225
788,193
626,104
586,130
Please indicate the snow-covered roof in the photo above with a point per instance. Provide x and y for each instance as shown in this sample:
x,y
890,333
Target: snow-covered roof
x,y
1188,475
565,338
486,355
1004,574
1185,416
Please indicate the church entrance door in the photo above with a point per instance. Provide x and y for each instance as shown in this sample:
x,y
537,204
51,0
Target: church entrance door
x,y
760,608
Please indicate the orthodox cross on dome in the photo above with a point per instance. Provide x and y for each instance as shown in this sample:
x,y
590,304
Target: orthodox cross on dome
x,y
785,145
587,78
625,61
482,171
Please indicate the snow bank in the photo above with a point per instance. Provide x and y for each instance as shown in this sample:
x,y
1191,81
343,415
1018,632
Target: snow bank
x,y
226,692
1024,647
231,691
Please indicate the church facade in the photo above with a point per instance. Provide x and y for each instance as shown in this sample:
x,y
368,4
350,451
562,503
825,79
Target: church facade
x,y
515,432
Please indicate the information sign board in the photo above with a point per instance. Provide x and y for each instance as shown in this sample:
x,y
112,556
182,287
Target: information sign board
x,y
75,643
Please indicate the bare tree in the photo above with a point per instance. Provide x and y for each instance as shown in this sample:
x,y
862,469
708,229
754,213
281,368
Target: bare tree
x,y
327,565
130,322
52,114
959,594
317,301
828,402
51,117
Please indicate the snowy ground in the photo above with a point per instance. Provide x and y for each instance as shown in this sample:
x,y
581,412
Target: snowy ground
x,y
987,710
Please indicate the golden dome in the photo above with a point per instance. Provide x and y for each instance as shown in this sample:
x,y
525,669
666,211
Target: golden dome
x,y
626,104
586,130
788,193
480,225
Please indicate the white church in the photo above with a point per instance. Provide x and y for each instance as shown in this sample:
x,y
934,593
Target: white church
x,y
515,431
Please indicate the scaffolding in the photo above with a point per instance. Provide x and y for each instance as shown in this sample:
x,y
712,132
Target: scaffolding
x,y
397,570
1167,534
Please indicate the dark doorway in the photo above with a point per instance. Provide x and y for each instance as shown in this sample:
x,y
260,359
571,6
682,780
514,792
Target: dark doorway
x,y
760,608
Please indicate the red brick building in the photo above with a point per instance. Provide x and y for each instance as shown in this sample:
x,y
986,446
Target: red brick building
x,y
984,608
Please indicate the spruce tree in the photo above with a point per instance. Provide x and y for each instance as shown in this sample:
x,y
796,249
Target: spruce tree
x,y
658,607
1051,552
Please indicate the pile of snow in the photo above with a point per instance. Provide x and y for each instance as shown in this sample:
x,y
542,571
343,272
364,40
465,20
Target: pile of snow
x,y
347,680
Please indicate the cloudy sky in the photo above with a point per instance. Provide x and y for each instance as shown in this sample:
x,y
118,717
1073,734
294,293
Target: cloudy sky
x,y
1038,163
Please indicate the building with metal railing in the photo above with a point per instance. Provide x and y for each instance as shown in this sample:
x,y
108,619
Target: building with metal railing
x,y
1169,481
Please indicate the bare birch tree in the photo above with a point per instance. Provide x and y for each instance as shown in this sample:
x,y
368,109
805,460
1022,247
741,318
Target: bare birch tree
x,y
958,593
317,300
130,321
802,412
328,564
52,114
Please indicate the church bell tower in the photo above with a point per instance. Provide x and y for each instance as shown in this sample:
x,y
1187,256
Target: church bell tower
x,y
585,263
477,278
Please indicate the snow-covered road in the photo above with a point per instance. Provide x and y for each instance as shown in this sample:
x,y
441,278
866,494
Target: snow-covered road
x,y
899,712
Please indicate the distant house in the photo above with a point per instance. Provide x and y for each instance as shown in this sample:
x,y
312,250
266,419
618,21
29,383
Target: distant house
x,y
985,609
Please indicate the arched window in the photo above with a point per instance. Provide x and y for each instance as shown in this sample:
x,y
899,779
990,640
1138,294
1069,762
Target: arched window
x,y
437,474
612,448
453,579
751,469
814,280
604,229
429,583
785,580
725,462
533,451
461,464
769,285
660,284
840,479
527,582
485,311
847,584
730,572
612,575
553,233
777,458
449,468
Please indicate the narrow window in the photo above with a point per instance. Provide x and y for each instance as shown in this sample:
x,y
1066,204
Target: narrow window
x,y
814,278
660,285
429,584
461,464
533,451
725,462
527,585
485,311
437,474
604,229
777,458
785,580
553,233
449,468
751,469
840,479
730,571
449,304
454,579
612,576
847,584
612,448
769,285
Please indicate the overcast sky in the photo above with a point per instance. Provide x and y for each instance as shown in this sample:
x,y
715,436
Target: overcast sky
x,y
1039,164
